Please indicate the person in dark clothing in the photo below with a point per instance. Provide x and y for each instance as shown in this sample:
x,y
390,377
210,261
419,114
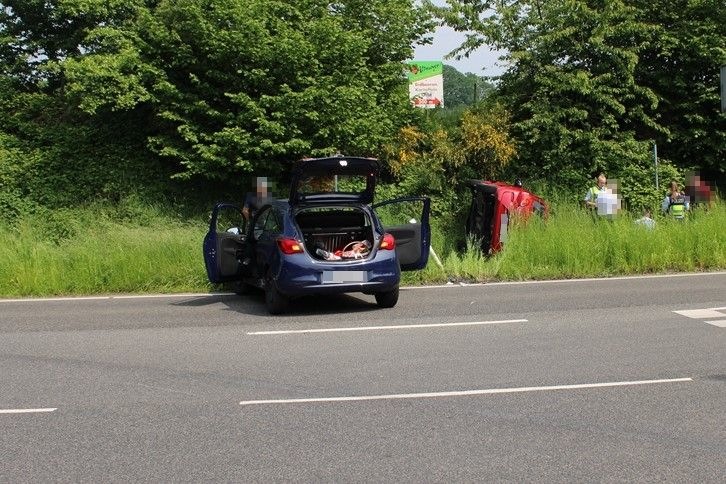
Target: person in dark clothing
x,y
253,201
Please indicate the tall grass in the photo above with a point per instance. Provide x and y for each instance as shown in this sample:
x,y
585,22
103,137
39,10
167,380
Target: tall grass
x,y
137,248
571,243
101,250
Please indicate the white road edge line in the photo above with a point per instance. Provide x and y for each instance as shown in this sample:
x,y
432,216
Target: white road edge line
x,y
376,328
464,393
562,281
405,288
28,410
110,298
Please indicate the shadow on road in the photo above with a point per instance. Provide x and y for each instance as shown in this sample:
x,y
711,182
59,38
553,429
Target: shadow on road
x,y
253,303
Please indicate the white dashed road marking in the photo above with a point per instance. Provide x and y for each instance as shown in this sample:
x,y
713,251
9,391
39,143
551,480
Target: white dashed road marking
x,y
465,393
376,328
28,410
706,314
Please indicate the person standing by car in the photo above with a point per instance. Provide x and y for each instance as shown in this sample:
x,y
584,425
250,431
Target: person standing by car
x,y
590,200
254,200
675,203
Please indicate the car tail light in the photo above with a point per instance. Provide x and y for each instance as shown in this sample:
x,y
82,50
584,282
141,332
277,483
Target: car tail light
x,y
289,246
388,242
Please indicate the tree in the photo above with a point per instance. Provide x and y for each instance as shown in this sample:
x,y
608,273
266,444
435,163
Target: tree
x,y
111,94
63,155
680,63
571,86
240,85
592,83
464,89
435,158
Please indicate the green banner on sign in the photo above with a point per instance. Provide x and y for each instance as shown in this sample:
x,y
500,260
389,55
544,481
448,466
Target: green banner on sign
x,y
418,70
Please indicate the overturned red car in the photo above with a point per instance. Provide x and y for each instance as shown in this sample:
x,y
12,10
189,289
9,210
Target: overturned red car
x,y
492,206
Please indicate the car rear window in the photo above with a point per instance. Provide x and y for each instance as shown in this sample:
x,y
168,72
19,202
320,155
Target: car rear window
x,y
320,184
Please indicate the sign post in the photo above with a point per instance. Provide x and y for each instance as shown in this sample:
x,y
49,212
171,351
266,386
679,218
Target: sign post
x,y
655,159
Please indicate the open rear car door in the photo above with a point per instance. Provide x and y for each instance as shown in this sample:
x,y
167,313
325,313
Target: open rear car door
x,y
223,243
407,219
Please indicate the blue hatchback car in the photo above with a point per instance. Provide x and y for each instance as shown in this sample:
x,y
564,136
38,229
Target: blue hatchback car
x,y
327,238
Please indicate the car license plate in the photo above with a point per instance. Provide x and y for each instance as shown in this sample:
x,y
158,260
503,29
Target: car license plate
x,y
336,277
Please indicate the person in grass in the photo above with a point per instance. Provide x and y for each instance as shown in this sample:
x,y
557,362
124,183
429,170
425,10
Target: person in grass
x,y
593,192
646,220
675,203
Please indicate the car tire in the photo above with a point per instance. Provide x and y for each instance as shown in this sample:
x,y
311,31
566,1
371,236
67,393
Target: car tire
x,y
387,299
277,303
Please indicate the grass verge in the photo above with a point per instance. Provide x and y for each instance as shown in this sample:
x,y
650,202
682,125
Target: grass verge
x,y
571,244
134,248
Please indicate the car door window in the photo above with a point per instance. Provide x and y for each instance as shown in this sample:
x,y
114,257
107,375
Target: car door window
x,y
260,222
230,220
400,213
272,224
267,224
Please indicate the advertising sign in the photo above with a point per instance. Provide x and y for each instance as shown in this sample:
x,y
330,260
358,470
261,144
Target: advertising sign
x,y
426,83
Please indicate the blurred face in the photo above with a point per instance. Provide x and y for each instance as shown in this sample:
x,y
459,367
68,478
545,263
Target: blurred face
x,y
261,186
601,181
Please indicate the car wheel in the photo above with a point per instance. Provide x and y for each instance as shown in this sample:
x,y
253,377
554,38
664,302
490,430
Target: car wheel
x,y
387,299
276,302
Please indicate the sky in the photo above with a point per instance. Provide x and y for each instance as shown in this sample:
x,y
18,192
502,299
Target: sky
x,y
482,61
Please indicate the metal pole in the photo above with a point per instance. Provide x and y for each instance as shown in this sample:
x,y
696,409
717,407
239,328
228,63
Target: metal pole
x,y
655,157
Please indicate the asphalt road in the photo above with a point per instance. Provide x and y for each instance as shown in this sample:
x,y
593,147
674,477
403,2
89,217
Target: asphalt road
x,y
596,380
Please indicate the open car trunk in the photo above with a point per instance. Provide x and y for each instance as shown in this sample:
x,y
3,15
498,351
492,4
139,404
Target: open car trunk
x,y
331,233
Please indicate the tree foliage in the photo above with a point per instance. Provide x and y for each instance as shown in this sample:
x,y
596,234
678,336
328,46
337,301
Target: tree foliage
x,y
591,83
97,92
240,85
464,89
435,159
681,62
101,98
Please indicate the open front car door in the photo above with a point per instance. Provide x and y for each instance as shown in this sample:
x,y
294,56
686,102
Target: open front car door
x,y
224,242
407,219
